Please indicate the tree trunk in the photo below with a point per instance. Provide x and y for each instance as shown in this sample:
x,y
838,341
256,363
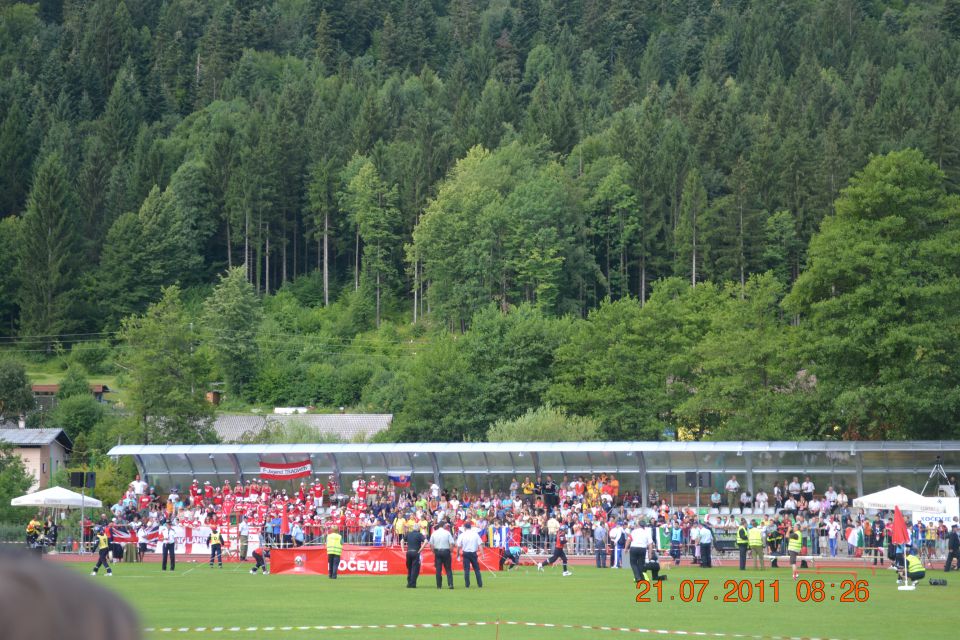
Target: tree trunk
x,y
356,262
693,274
266,287
643,280
378,299
229,247
246,243
326,259
416,289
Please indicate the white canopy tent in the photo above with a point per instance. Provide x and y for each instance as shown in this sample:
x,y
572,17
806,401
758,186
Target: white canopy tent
x,y
57,498
898,497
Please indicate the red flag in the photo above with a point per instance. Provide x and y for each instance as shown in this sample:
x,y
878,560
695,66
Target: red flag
x,y
284,521
900,533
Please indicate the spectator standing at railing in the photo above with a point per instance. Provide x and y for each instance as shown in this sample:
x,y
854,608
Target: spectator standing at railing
x,y
600,541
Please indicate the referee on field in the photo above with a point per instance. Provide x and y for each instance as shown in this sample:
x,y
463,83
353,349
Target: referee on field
x,y
468,544
414,541
442,542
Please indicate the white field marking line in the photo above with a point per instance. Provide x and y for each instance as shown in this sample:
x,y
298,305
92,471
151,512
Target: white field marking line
x,y
447,625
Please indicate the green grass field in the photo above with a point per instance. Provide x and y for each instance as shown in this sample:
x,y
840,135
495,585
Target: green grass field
x,y
198,596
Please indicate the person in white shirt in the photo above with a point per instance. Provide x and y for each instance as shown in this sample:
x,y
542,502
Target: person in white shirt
x,y
468,544
761,501
833,532
441,541
830,498
732,488
789,506
244,533
807,488
616,549
794,488
695,541
640,542
706,542
138,486
168,538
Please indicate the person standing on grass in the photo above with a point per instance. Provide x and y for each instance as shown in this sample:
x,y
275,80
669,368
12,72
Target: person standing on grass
x,y
743,542
755,540
600,543
468,544
103,548
640,543
794,546
441,541
953,549
558,552
216,547
616,548
334,551
706,542
415,541
244,533
168,538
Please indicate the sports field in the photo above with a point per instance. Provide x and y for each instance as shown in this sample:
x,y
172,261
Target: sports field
x,y
247,606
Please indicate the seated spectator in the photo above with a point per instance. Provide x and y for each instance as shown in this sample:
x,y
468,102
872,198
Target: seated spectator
x,y
715,499
746,500
760,500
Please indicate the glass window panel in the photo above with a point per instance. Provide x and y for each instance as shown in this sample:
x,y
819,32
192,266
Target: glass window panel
x,y
550,462
449,463
606,461
349,463
656,460
523,462
722,461
577,462
398,462
422,463
373,463
872,460
500,462
682,461
474,462
904,460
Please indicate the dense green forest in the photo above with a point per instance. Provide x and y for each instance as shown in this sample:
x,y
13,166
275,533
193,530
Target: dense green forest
x,y
650,219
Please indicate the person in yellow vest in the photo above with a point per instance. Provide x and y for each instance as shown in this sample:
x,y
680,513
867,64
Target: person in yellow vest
x,y
33,530
743,542
334,551
103,549
755,540
914,570
216,546
794,546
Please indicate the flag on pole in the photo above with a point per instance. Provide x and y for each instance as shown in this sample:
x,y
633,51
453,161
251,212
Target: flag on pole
x,y
399,480
900,533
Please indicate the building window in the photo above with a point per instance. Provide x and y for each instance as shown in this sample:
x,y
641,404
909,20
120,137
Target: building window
x,y
43,467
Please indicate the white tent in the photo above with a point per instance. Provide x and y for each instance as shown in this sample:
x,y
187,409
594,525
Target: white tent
x,y
898,497
57,498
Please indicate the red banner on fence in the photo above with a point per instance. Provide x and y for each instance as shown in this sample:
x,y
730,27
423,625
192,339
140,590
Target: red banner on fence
x,y
285,470
368,561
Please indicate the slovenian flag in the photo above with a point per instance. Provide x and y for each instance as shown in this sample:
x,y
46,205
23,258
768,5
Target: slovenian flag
x,y
400,480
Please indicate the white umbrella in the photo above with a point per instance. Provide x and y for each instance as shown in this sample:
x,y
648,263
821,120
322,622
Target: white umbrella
x,y
56,497
898,497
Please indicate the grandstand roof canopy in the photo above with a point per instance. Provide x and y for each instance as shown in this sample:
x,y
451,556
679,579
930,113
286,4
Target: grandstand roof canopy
x,y
881,462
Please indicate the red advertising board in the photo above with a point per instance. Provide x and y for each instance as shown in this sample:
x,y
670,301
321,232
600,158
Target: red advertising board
x,y
368,561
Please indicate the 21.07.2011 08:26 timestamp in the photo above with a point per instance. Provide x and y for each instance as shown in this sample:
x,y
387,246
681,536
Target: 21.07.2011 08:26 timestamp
x,y
760,591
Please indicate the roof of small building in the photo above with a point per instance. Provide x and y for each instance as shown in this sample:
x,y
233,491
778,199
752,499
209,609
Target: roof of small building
x,y
35,437
351,427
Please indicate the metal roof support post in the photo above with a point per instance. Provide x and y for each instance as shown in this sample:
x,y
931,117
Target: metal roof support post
x,y
642,469
437,477
335,468
137,460
163,459
535,457
860,475
748,465
236,465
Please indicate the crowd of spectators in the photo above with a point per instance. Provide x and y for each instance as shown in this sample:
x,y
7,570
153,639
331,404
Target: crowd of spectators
x,y
590,511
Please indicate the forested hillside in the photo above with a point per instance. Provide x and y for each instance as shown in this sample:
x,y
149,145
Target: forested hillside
x,y
658,215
